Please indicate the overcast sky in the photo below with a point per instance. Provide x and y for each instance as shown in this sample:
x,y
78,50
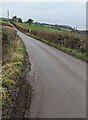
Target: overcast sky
x,y
68,13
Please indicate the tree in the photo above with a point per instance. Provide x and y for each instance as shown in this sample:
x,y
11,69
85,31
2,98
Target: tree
x,y
30,21
19,20
14,18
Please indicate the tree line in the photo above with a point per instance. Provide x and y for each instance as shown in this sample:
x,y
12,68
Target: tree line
x,y
16,19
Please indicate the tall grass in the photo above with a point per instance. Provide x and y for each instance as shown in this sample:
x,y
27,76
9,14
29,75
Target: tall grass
x,y
12,61
67,39
70,42
5,23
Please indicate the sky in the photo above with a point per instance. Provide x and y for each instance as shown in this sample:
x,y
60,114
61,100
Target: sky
x,y
66,13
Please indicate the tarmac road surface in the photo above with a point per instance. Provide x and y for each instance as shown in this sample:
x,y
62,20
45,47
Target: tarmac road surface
x,y
60,87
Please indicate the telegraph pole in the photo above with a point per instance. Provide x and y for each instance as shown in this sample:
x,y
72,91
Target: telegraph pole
x,y
8,15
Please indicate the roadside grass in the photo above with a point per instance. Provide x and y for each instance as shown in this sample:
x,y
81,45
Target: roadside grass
x,y
5,23
73,52
13,64
2,21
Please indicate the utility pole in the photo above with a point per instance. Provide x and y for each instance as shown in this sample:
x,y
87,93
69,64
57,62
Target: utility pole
x,y
76,27
8,15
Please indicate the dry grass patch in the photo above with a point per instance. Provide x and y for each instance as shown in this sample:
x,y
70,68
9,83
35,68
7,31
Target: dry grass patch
x,y
13,61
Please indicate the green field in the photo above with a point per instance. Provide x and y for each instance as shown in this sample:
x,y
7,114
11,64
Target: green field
x,y
37,27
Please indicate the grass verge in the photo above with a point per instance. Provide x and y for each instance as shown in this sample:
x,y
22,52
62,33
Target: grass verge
x,y
12,66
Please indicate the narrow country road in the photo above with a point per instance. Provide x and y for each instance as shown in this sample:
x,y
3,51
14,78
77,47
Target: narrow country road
x,y
60,90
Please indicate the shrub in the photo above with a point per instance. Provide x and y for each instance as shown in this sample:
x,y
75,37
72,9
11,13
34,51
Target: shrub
x,y
67,39
8,36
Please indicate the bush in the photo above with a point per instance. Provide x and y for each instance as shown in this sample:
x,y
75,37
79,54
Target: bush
x,y
8,36
67,39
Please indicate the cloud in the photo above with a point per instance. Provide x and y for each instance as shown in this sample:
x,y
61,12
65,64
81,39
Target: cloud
x,y
49,12
44,1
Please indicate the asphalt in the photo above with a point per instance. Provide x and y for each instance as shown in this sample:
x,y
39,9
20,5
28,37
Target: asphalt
x,y
59,82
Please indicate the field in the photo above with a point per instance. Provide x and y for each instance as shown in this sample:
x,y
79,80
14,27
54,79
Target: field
x,y
38,27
